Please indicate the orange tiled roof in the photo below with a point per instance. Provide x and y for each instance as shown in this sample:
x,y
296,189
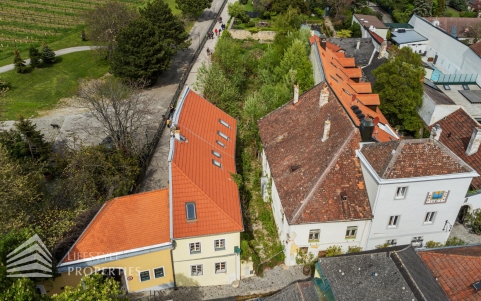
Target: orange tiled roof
x,y
369,99
125,223
456,269
194,176
347,90
346,61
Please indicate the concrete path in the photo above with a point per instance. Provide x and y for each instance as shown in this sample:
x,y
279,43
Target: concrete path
x,y
156,176
273,280
386,18
57,53
461,232
329,24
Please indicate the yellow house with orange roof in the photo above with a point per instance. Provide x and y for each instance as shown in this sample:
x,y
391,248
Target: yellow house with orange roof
x,y
128,239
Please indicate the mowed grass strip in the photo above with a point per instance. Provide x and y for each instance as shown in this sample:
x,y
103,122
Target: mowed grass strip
x,y
42,88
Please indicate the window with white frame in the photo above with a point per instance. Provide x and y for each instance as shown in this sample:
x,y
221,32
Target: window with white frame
x,y
401,192
159,272
196,270
351,232
393,221
220,267
194,247
144,276
314,235
429,218
224,123
219,244
223,135
391,242
417,241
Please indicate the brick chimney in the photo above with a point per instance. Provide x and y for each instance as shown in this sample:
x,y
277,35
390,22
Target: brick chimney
x,y
296,93
474,143
327,128
324,97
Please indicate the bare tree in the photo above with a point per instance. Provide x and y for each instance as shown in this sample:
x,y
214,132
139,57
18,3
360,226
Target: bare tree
x,y
105,22
339,5
121,109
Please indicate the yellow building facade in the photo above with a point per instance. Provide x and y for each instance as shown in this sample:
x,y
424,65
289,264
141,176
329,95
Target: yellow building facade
x,y
207,260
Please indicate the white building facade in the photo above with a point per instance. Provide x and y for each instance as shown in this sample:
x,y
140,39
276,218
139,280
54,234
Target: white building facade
x,y
414,210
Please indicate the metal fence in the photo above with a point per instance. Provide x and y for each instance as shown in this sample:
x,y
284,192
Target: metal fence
x,y
152,145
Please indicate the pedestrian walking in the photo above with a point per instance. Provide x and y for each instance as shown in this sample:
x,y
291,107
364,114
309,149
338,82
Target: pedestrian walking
x,y
220,31
223,26
212,35
215,30
208,51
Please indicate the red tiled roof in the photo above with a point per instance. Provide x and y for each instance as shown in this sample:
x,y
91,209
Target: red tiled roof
x,y
462,25
291,136
125,223
369,99
412,158
476,47
194,176
376,37
457,130
346,89
456,269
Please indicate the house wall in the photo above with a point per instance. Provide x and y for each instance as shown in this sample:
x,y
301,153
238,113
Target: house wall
x,y
296,236
208,257
417,47
413,209
430,112
382,32
132,266
456,58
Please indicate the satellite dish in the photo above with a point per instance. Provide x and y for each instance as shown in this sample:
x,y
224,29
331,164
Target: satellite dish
x,y
436,23
376,120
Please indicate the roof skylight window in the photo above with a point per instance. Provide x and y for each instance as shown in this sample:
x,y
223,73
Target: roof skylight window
x,y
223,135
220,143
224,123
190,211
216,163
217,154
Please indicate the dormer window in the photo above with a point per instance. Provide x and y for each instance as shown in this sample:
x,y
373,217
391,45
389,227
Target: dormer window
x,y
217,154
216,163
224,123
223,135
190,211
220,143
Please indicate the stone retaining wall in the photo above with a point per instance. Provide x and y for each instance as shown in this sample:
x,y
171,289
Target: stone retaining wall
x,y
241,34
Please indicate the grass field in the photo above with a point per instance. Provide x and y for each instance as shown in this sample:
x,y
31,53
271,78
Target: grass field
x,y
455,13
55,22
42,88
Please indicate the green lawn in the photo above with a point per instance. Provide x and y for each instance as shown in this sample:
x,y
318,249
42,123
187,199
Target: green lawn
x,y
42,88
455,13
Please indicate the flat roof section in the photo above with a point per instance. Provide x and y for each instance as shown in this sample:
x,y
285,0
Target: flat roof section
x,y
409,36
368,20
473,96
474,109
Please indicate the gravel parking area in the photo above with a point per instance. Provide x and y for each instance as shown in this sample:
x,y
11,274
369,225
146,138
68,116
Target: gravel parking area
x,y
461,232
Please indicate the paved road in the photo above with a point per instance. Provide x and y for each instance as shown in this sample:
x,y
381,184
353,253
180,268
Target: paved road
x,y
157,173
57,52
386,18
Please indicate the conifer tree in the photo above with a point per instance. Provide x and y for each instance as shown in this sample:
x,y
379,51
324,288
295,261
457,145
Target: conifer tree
x,y
48,55
20,65
35,56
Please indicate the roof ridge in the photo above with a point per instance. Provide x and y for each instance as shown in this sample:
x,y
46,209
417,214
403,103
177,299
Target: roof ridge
x,y
408,273
451,255
202,191
393,158
323,175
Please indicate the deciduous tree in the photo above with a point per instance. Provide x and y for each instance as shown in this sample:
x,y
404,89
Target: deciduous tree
x,y
193,8
92,287
105,22
120,108
400,87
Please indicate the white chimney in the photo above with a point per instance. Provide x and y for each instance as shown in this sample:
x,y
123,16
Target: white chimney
x,y
474,143
177,134
358,44
324,97
296,94
437,135
312,33
327,128
382,52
